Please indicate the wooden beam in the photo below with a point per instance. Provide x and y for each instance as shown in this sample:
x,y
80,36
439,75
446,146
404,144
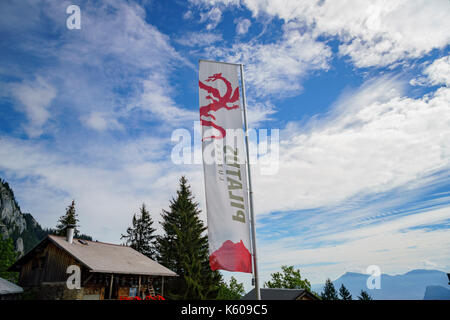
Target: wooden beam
x,y
88,278
139,287
110,286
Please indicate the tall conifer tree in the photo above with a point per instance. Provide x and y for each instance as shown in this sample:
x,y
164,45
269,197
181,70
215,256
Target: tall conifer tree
x,y
344,293
141,235
184,249
329,291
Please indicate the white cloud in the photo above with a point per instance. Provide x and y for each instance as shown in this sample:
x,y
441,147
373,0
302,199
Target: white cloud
x,y
188,15
95,66
215,2
372,33
121,41
242,26
155,97
375,140
213,17
34,98
122,34
198,39
439,71
259,112
278,68
102,121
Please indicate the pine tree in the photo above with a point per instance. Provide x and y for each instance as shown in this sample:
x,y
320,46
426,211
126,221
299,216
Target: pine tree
x,y
141,235
344,293
364,296
184,249
69,219
329,292
7,257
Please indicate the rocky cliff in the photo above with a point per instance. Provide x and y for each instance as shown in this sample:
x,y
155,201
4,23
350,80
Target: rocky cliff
x,y
10,214
21,227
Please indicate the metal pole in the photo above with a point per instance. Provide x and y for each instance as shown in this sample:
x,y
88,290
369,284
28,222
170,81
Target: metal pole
x,y
252,216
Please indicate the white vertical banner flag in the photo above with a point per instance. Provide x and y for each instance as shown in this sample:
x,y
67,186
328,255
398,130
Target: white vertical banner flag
x,y
224,167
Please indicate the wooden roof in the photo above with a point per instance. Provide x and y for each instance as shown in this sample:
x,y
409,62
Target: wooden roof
x,y
279,294
103,257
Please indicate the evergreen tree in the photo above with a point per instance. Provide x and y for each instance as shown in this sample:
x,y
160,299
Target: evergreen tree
x,y
329,292
69,219
364,296
234,291
289,279
141,236
344,293
184,249
7,257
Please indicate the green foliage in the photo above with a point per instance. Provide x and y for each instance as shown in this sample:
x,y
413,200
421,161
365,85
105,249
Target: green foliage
x,y
7,257
364,296
344,293
233,291
288,279
141,236
69,219
329,291
184,249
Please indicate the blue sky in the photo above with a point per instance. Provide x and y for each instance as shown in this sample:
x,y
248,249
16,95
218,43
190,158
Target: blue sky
x,y
358,89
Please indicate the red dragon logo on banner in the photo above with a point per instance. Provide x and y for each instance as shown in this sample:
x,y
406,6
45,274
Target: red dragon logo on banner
x,y
217,102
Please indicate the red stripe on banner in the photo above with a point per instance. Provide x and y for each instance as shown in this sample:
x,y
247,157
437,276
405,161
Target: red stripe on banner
x,y
231,257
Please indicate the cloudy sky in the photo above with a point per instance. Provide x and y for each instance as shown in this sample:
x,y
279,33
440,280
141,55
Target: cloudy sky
x,y
358,89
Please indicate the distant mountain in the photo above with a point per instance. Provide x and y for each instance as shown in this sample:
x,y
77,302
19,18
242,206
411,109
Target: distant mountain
x,y
436,293
409,286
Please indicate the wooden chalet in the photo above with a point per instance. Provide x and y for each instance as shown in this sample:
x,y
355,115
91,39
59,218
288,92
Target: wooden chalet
x,y
108,271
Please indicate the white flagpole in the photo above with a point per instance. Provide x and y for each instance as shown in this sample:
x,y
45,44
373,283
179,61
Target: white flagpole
x,y
252,216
